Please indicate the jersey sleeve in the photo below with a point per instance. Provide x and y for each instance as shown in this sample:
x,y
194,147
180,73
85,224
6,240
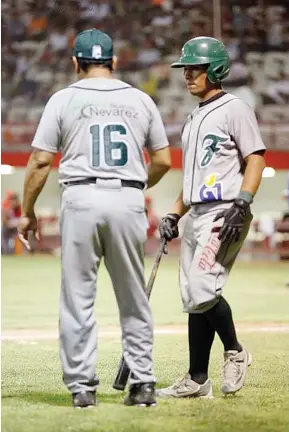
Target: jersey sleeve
x,y
47,136
157,137
245,130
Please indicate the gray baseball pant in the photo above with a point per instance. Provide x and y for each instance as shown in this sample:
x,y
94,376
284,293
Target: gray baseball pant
x,y
205,263
103,220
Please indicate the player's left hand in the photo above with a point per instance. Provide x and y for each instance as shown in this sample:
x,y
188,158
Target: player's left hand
x,y
234,218
26,224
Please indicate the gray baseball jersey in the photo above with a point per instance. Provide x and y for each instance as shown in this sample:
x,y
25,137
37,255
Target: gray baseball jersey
x,y
216,138
101,127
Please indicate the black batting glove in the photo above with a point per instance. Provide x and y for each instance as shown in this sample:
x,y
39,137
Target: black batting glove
x,y
168,227
234,218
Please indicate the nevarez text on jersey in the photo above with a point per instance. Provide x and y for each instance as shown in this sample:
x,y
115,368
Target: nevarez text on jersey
x,y
91,110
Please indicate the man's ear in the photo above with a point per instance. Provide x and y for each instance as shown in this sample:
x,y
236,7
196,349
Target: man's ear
x,y
75,64
114,63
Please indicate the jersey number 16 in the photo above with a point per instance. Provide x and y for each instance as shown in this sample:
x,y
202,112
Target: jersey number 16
x,y
115,152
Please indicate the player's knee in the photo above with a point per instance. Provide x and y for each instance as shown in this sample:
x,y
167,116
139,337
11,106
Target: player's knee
x,y
194,307
200,300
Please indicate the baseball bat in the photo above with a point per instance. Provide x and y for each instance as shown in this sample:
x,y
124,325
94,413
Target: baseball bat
x,y
123,370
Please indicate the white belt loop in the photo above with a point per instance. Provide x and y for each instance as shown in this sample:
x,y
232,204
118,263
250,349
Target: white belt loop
x,y
108,183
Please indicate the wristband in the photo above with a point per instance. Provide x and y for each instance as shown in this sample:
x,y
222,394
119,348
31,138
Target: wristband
x,y
245,196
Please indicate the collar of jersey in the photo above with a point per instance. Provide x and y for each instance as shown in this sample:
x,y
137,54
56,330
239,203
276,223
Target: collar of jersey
x,y
212,99
96,83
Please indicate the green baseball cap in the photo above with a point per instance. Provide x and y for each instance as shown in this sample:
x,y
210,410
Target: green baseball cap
x,y
93,45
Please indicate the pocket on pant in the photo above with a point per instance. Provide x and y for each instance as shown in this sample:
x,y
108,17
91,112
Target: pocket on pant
x,y
138,209
229,252
139,218
79,197
78,205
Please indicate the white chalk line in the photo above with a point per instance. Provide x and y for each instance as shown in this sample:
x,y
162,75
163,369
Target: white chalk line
x,y
23,336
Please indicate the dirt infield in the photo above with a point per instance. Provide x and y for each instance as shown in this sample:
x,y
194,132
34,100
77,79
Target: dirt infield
x,y
22,336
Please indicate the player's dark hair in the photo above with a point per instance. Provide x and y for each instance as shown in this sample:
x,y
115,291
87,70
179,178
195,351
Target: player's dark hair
x,y
85,64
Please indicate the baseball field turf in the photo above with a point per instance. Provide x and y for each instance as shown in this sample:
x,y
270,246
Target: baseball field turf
x,y
34,398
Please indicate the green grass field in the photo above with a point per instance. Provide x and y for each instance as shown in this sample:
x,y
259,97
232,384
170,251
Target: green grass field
x,y
34,398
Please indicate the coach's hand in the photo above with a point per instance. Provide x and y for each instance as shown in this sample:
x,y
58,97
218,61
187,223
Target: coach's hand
x,y
234,218
26,224
169,226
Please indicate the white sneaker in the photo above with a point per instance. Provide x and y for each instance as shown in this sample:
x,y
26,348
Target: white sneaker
x,y
234,370
185,387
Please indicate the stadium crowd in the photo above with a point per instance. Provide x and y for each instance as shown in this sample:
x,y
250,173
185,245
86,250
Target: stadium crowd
x,y
37,37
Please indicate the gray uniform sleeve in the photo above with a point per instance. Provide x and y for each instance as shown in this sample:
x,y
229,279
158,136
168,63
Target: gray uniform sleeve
x,y
245,130
47,136
157,137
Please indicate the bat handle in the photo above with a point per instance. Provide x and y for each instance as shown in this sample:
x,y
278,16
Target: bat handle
x,y
164,246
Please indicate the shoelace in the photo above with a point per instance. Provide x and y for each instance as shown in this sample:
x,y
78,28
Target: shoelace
x,y
231,368
178,383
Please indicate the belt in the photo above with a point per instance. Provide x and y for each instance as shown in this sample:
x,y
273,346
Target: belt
x,y
201,203
92,180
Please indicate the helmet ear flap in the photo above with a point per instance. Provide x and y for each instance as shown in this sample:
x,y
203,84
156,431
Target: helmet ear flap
x,y
218,71
211,75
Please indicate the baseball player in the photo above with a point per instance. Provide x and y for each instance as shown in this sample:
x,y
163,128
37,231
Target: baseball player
x,y
223,160
101,126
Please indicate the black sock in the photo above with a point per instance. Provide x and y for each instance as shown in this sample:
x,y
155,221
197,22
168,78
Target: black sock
x,y
201,337
220,317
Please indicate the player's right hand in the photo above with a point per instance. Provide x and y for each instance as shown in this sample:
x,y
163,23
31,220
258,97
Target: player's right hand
x,y
168,227
27,224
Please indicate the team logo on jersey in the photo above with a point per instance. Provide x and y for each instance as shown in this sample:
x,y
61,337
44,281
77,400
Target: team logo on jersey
x,y
211,189
211,146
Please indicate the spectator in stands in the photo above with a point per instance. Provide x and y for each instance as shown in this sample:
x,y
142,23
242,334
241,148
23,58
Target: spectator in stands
x,y
42,95
150,85
173,124
162,19
232,44
22,62
98,10
148,35
126,57
11,212
276,25
16,27
59,39
240,20
9,56
278,91
38,24
148,53
239,71
245,91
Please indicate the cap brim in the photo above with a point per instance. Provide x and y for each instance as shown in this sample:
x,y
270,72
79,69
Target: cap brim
x,y
195,61
99,60
178,65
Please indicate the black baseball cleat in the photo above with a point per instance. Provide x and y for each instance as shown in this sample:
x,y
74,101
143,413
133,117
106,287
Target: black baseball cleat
x,y
84,399
142,395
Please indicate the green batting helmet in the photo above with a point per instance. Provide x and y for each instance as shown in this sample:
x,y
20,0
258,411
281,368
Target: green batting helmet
x,y
206,51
